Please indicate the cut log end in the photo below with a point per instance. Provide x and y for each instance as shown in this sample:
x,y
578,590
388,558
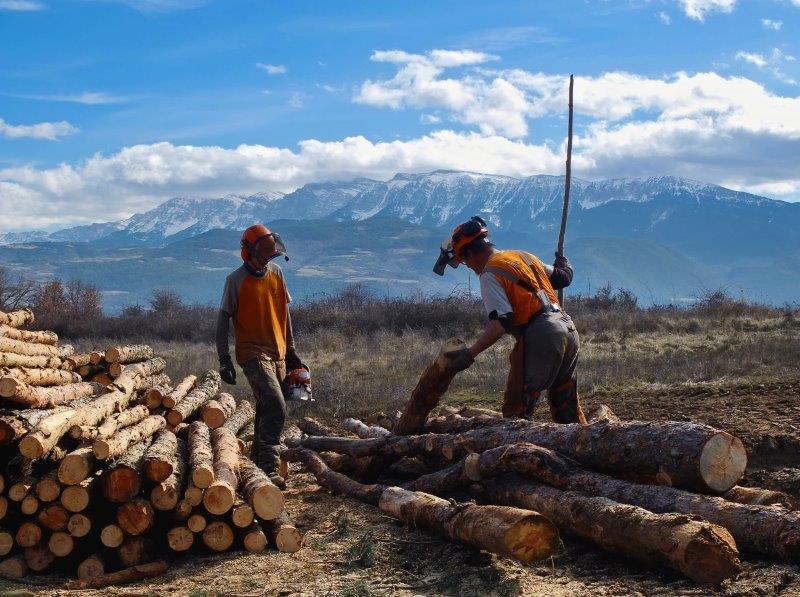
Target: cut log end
x,y
723,461
532,538
218,499
14,567
61,544
288,539
268,502
111,536
218,536
711,557
180,539
91,567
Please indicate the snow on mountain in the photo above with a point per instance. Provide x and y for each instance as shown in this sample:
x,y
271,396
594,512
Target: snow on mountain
x,y
441,198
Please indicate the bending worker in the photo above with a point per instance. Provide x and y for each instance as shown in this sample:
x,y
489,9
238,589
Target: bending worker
x,y
519,297
257,300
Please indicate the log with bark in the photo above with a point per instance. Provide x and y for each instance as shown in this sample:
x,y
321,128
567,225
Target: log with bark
x,y
166,494
220,496
77,361
76,498
14,378
48,487
197,523
53,517
112,535
28,534
365,431
37,337
123,479
217,410
429,390
758,496
159,461
79,525
128,575
128,354
12,359
17,319
284,534
179,392
76,466
242,514
131,378
257,489
118,444
201,457
111,425
39,557
180,539
28,348
153,397
136,516
218,536
241,417
61,544
52,396
206,388
253,538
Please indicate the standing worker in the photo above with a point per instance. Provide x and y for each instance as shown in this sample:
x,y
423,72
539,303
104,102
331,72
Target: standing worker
x,y
519,298
257,300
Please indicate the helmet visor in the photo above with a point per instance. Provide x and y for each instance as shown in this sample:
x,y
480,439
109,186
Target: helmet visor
x,y
446,257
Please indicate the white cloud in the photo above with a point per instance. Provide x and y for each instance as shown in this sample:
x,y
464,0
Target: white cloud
x,y
89,98
21,5
42,130
770,24
698,9
160,5
296,99
429,119
665,18
772,62
272,69
751,58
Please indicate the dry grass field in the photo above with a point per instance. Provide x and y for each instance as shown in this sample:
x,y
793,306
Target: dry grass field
x,y
731,365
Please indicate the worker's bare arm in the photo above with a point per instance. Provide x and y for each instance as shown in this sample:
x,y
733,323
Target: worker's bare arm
x,y
491,333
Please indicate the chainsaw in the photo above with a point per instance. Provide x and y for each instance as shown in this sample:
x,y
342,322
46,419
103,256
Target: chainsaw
x,y
297,385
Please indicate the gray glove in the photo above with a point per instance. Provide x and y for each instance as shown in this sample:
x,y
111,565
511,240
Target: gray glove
x,y
460,359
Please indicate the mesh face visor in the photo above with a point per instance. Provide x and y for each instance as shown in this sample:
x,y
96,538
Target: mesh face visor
x,y
264,253
446,257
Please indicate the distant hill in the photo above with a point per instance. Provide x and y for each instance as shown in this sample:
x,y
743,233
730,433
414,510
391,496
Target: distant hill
x,y
665,238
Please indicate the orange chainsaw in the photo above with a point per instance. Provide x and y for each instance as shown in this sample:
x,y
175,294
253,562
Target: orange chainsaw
x,y
297,385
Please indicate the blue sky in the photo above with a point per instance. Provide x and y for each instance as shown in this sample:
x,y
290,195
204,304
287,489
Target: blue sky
x,y
113,106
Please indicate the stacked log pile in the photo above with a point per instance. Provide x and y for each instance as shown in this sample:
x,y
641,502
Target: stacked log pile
x,y
662,493
108,467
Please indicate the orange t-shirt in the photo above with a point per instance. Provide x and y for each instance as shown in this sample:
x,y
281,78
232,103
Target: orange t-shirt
x,y
259,307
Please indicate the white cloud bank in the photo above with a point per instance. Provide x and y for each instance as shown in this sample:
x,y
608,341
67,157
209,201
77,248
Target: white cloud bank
x,y
42,130
699,9
21,5
272,69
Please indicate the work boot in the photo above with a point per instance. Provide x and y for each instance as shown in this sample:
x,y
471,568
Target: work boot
x,y
277,480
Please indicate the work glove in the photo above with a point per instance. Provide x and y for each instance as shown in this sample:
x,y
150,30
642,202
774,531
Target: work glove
x,y
561,261
226,369
460,359
292,360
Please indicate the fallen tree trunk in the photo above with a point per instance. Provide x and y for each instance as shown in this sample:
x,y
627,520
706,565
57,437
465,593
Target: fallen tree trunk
x,y
334,482
17,319
123,480
37,337
221,494
16,377
179,392
117,444
127,575
217,410
264,497
50,397
128,354
761,529
205,390
201,457
429,390
704,552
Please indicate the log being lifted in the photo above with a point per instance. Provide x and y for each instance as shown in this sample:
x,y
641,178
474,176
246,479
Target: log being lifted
x,y
429,390
118,444
13,378
217,410
221,494
179,392
257,489
761,529
201,457
128,354
16,319
44,337
127,575
206,388
521,534
123,479
50,397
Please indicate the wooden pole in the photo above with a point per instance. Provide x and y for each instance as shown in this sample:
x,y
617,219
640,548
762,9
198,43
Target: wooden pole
x,y
567,181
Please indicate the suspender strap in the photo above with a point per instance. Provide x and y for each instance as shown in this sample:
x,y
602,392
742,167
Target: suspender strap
x,y
514,279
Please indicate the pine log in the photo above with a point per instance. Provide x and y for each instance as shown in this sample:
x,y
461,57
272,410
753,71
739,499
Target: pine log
x,y
128,354
284,534
135,517
118,444
756,529
313,427
53,517
182,511
96,358
76,466
429,390
21,487
197,523
123,480
39,557
104,379
14,567
760,497
61,544
206,388
201,457
365,431
135,551
92,567
3,507
704,552
334,482
111,425
76,498
159,461
221,494
17,319
218,536
253,538
16,424
241,417
242,514
245,437
76,361
79,525
50,397
12,359
127,575
28,534
89,371
28,349
30,505
6,544
131,377
65,351
115,370
180,539
13,379
153,397
179,392
166,494
216,411
112,536
48,488
37,337
193,494
265,498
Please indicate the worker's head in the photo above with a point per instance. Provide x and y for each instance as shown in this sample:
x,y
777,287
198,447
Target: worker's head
x,y
468,244
259,246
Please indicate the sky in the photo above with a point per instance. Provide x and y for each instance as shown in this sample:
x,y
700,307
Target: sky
x,y
109,107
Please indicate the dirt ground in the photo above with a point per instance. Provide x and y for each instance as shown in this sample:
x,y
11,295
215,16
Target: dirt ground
x,y
354,550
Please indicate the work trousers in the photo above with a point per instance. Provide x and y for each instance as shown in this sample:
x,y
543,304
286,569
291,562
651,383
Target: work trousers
x,y
265,376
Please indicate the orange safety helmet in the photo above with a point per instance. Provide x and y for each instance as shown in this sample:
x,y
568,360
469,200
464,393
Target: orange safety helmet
x,y
258,236
463,234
